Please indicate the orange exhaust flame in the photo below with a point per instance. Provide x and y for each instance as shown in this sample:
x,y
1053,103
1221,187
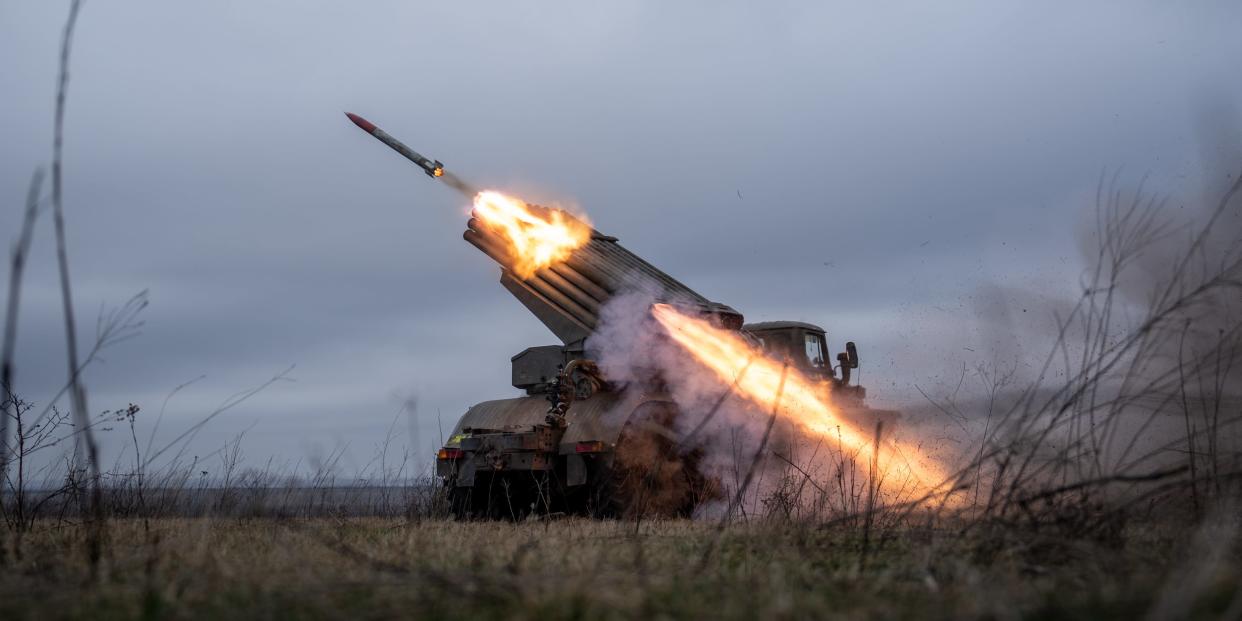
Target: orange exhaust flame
x,y
536,237
803,401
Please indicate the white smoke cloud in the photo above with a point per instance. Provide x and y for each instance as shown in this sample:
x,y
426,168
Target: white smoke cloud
x,y
795,468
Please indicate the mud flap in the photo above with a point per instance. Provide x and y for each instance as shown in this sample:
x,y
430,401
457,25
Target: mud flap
x,y
575,470
465,474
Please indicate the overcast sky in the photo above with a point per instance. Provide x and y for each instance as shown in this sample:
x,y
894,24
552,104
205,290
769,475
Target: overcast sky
x,y
909,177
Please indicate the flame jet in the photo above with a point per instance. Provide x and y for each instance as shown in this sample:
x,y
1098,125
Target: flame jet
x,y
433,168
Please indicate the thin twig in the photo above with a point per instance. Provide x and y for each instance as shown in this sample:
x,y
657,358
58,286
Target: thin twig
x,y
77,392
17,266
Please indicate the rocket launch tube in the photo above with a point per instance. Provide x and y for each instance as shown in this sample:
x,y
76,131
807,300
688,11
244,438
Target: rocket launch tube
x,y
543,287
580,287
581,267
579,296
559,279
582,282
556,288
587,262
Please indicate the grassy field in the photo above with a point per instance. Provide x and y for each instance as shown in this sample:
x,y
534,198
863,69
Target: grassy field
x,y
564,569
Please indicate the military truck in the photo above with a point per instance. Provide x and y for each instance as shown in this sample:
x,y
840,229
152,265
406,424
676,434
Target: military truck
x,y
576,442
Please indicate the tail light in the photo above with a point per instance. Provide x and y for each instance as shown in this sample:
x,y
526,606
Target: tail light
x,y
450,453
590,447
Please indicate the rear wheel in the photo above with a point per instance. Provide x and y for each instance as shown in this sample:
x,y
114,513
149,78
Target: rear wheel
x,y
503,496
461,502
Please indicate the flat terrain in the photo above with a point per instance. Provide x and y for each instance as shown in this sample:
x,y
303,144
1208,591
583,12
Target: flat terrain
x,y
379,568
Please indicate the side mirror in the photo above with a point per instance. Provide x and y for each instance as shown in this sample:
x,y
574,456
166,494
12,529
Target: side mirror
x,y
848,359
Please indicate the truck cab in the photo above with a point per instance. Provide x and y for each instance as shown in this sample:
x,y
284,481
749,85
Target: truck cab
x,y
805,346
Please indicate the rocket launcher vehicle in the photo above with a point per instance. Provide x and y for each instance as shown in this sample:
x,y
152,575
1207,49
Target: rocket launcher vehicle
x,y
576,442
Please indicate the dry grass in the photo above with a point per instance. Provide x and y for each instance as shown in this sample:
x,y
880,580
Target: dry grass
x,y
369,568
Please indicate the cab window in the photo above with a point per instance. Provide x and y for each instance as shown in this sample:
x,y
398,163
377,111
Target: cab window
x,y
814,350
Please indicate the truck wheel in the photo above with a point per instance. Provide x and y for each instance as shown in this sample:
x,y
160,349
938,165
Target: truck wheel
x,y
494,497
472,503
459,502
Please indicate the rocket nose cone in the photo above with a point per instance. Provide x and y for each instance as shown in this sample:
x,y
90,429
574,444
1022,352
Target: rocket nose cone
x,y
366,125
